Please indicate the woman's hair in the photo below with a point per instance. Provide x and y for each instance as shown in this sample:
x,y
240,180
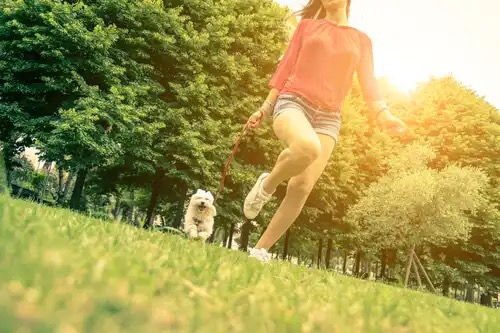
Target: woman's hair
x,y
313,6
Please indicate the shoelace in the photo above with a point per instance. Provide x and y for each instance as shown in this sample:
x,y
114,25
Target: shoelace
x,y
258,201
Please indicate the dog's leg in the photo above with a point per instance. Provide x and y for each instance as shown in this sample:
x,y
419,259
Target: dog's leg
x,y
203,235
192,231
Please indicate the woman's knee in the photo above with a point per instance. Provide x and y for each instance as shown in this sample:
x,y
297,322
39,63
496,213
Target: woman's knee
x,y
306,150
300,186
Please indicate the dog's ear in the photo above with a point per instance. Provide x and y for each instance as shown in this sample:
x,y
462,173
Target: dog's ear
x,y
214,211
210,196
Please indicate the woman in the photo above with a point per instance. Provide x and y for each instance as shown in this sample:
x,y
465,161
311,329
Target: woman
x,y
307,91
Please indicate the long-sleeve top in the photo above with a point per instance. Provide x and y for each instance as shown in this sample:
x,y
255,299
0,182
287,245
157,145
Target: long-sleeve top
x,y
320,62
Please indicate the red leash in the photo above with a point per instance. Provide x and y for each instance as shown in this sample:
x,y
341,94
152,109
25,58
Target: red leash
x,y
249,124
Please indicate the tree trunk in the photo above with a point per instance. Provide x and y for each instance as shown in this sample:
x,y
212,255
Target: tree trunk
x,y
231,232
76,197
367,268
344,264
357,263
65,192
408,265
8,155
417,275
117,208
285,245
224,242
245,236
137,218
131,216
446,286
320,252
179,212
328,256
383,264
60,183
153,201
469,293
486,299
422,268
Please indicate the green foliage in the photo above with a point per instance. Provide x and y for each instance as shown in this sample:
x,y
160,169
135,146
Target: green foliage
x,y
413,204
52,53
216,76
21,171
24,175
463,129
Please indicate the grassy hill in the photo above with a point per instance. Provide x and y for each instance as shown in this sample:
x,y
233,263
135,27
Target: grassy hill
x,y
61,272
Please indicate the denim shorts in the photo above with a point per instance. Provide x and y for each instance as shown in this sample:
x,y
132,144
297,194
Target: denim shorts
x,y
322,121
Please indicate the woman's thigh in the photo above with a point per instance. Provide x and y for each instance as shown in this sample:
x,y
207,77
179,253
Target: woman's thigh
x,y
292,126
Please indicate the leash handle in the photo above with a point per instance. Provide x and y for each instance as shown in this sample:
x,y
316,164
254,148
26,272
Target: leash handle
x,y
248,124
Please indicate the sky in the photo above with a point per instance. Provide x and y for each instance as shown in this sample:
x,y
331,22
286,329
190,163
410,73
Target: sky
x,y
414,40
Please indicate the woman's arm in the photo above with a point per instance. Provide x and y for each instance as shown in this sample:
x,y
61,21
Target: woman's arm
x,y
281,75
371,92
370,89
289,59
268,106
366,76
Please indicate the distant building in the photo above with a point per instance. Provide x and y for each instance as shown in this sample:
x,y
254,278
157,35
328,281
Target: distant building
x,y
31,154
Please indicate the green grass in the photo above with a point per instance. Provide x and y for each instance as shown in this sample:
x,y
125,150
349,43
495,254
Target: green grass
x,y
61,272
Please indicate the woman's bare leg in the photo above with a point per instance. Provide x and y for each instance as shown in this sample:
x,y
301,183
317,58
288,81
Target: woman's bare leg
x,y
303,147
299,188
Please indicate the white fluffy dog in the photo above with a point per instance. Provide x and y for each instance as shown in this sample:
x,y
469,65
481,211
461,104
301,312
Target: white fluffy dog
x,y
199,218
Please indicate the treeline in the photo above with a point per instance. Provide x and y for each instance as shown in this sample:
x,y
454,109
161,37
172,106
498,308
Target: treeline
x,y
139,102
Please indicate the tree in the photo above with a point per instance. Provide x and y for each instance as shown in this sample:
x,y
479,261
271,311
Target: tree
x,y
212,70
463,128
60,85
52,52
414,205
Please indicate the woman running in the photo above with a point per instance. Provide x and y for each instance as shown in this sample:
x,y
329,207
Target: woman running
x,y
307,91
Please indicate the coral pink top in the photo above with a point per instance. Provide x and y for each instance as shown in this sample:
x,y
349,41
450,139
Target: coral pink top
x,y
320,62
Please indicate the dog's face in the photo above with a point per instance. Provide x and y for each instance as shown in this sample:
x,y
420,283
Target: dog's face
x,y
203,203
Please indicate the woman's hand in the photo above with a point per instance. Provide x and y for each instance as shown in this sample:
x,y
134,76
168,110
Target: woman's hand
x,y
256,118
391,123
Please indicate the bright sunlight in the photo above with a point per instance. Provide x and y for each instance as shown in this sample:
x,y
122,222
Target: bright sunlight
x,y
414,40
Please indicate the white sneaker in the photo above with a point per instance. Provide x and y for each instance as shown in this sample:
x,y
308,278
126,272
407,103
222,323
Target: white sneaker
x,y
260,254
256,199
